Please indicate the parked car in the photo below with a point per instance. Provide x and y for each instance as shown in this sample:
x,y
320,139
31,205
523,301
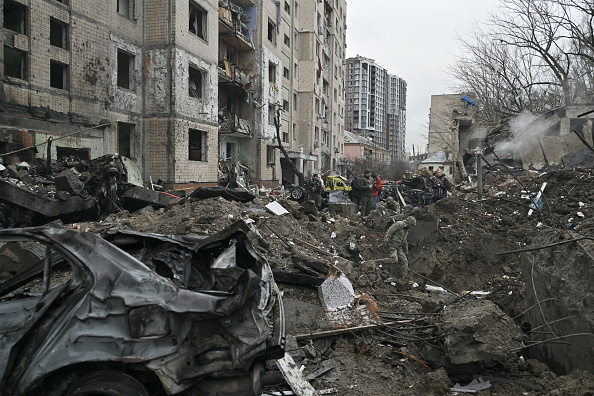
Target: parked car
x,y
336,182
157,315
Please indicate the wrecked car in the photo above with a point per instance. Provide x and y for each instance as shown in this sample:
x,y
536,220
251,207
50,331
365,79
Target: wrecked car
x,y
157,315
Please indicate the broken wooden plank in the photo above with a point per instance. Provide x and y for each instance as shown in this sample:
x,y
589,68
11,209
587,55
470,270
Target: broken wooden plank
x,y
319,266
294,377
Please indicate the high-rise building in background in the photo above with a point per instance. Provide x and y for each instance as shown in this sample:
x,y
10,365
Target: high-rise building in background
x,y
185,88
376,106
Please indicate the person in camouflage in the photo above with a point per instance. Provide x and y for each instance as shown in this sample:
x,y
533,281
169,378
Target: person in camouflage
x,y
366,186
396,240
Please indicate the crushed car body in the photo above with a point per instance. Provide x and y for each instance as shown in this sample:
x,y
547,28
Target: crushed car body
x,y
158,311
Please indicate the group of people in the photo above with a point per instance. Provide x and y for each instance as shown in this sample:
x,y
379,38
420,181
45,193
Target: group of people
x,y
365,191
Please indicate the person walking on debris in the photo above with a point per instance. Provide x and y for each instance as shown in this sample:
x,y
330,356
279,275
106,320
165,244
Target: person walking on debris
x,y
376,190
441,185
315,188
396,240
356,193
366,186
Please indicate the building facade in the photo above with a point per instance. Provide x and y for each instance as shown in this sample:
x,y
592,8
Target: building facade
x,y
376,105
179,86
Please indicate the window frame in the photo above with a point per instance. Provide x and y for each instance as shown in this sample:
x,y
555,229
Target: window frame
x,y
63,33
130,69
196,72
64,69
203,150
203,28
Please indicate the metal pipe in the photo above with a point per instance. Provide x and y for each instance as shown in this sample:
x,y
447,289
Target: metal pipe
x,y
479,173
47,269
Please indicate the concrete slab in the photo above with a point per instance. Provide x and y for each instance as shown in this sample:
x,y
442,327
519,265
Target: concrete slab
x,y
554,149
532,156
573,143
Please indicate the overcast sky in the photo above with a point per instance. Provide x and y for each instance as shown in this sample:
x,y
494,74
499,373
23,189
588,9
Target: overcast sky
x,y
415,40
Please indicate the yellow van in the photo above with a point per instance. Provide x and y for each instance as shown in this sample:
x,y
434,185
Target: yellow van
x,y
337,183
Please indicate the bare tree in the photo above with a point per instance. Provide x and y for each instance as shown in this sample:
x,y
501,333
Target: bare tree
x,y
277,125
534,55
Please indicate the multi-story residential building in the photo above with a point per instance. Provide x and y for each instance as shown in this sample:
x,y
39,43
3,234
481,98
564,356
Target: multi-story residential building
x,y
306,40
376,105
134,77
179,86
396,123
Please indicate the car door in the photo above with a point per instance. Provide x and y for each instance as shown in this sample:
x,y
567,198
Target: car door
x,y
39,275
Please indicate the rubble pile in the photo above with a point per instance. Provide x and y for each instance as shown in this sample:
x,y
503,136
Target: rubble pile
x,y
72,189
357,329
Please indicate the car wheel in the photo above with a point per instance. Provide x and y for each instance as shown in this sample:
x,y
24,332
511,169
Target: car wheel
x,y
107,383
297,193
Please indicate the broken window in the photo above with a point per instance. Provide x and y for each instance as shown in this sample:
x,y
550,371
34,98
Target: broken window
x,y
272,73
197,145
58,33
198,21
58,75
15,17
15,63
46,270
271,114
287,41
125,8
82,153
195,82
271,32
125,67
270,155
231,148
125,133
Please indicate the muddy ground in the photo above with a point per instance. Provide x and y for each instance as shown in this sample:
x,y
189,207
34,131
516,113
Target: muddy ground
x,y
456,245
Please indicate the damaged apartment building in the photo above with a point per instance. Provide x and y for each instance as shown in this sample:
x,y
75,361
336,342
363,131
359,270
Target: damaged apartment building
x,y
185,88
555,138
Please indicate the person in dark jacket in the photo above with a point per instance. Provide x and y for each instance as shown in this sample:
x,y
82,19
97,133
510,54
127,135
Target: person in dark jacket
x,y
356,193
315,189
441,185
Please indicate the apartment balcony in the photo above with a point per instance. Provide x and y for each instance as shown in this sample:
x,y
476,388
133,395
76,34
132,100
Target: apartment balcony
x,y
233,31
233,77
232,124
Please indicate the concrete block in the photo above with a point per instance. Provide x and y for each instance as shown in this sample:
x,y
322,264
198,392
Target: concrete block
x,y
336,293
345,209
554,149
67,181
